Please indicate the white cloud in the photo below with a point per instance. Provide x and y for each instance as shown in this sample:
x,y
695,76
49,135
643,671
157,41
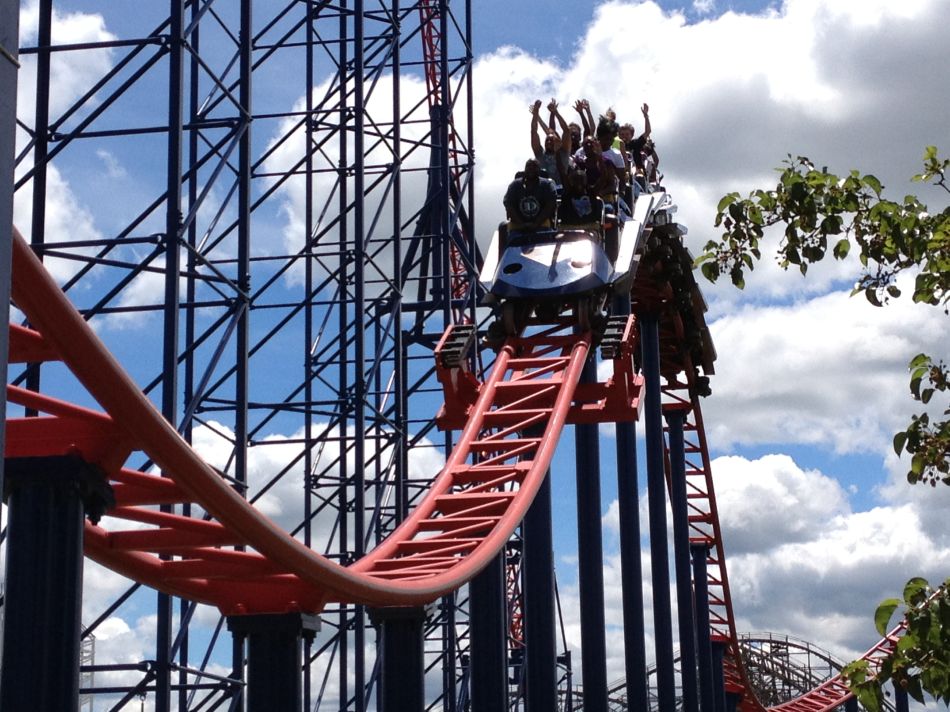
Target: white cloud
x,y
750,494
828,371
71,75
67,220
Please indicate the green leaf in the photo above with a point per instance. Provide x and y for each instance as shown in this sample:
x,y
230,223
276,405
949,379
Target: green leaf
x,y
842,248
915,591
738,279
882,616
710,271
726,200
869,696
831,225
899,441
873,183
907,642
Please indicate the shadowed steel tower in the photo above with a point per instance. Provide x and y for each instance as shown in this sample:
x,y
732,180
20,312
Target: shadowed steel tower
x,y
265,209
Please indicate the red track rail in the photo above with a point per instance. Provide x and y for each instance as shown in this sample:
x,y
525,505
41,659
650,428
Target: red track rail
x,y
704,527
241,562
468,515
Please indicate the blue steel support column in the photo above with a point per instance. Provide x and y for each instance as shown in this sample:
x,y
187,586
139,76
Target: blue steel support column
x,y
901,703
274,658
590,565
242,301
9,49
37,236
170,347
681,559
719,678
343,196
489,654
732,701
851,704
707,699
656,491
359,385
48,499
402,666
631,566
537,572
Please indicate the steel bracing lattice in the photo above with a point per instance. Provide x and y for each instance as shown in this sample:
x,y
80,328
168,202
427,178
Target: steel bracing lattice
x,y
287,321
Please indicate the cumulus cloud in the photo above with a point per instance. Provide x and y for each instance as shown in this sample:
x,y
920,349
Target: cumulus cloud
x,y
828,371
68,219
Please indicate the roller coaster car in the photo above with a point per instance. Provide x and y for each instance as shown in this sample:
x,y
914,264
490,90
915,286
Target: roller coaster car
x,y
567,267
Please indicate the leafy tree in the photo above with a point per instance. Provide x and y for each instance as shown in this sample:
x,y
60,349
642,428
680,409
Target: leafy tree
x,y
823,213
920,662
820,210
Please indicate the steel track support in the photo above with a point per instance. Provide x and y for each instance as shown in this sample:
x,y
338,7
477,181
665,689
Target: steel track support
x,y
851,704
42,130
274,645
656,491
49,498
538,587
681,558
631,565
171,338
9,52
901,702
719,646
487,619
732,701
590,565
707,697
401,654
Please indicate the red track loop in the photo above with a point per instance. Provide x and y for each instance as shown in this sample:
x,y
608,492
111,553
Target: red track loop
x,y
465,520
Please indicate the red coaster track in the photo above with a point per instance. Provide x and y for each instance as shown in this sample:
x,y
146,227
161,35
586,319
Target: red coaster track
x,y
238,560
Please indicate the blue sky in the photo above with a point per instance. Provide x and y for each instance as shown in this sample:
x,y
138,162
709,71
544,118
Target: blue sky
x,y
810,384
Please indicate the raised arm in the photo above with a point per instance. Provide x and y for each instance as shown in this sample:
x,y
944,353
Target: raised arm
x,y
536,146
579,108
646,120
567,143
590,124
